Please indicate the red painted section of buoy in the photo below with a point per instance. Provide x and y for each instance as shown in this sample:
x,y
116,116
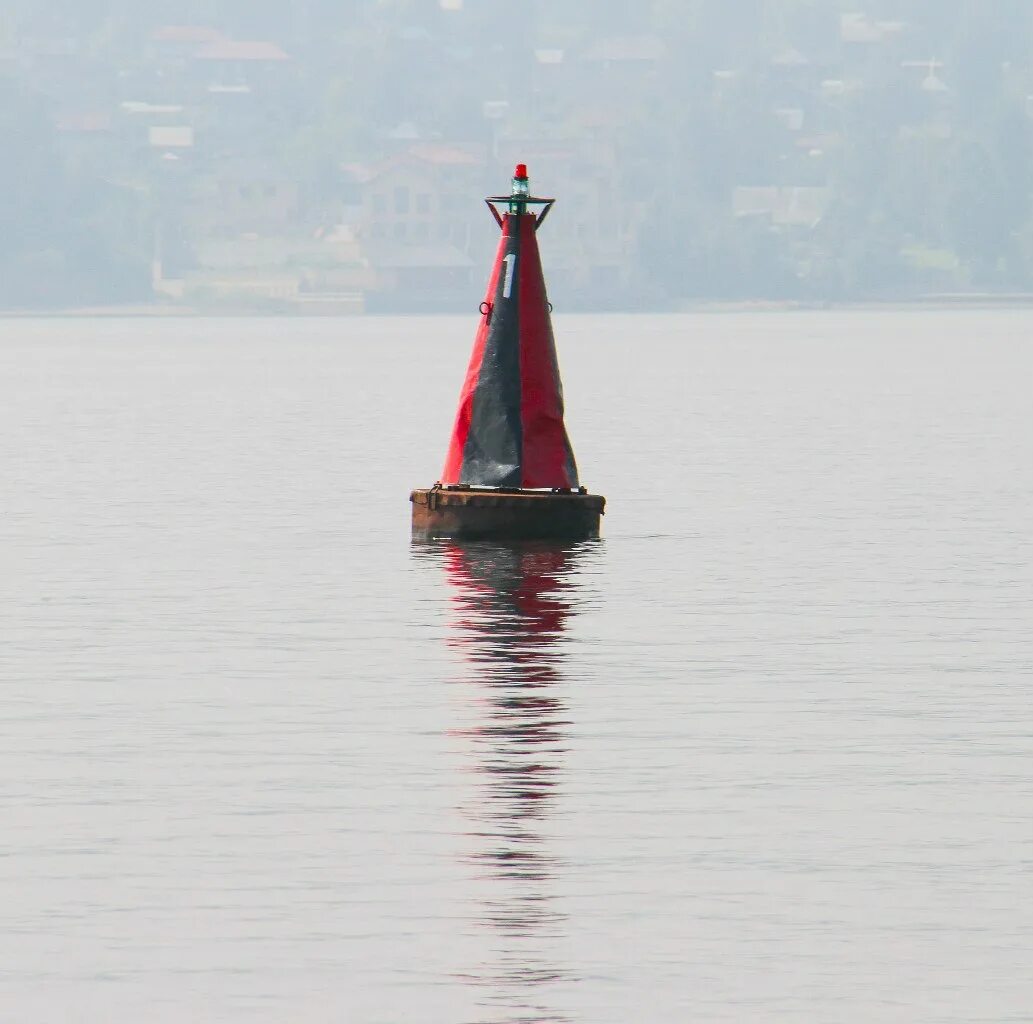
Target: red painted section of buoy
x,y
464,414
547,457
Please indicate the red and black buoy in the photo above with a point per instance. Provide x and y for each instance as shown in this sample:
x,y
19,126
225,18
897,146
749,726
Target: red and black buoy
x,y
510,469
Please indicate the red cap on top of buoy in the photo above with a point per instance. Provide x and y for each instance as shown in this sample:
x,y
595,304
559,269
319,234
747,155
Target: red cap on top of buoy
x,y
509,429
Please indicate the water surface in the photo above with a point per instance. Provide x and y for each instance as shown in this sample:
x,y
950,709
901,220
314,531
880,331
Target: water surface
x,y
761,753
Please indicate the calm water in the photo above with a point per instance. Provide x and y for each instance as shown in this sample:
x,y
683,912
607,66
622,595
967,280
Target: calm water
x,y
763,753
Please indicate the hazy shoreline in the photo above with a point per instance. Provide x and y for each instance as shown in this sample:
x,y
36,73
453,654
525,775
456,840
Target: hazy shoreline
x,y
939,303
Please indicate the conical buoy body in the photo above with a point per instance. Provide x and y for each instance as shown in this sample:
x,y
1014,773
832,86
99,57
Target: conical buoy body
x,y
509,429
510,469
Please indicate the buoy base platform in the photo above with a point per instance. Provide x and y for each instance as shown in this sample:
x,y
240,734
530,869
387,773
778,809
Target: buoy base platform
x,y
473,513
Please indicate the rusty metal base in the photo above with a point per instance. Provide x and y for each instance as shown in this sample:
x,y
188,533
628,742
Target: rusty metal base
x,y
456,512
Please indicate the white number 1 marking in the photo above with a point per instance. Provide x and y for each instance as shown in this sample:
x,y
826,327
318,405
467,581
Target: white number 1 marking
x,y
507,284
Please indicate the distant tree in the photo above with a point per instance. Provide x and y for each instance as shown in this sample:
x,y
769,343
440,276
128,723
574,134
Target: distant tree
x,y
63,240
981,215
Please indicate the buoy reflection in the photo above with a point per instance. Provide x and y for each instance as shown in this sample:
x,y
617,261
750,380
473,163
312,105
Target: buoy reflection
x,y
511,606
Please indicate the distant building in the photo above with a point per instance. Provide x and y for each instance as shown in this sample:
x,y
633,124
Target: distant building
x,y
613,74
174,46
233,52
626,51
419,195
784,206
177,136
319,273
89,123
415,218
245,197
188,36
86,135
857,27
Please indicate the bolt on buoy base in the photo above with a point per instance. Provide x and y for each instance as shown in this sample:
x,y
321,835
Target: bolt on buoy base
x,y
473,513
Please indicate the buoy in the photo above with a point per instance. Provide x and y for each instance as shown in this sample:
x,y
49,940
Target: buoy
x,y
510,469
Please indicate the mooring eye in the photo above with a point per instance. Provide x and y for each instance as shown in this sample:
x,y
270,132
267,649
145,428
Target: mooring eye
x,y
486,308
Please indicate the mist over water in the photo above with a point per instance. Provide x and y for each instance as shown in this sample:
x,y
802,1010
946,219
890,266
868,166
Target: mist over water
x,y
762,752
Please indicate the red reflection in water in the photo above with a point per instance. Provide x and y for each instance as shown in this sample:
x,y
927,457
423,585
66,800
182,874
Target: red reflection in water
x,y
511,606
